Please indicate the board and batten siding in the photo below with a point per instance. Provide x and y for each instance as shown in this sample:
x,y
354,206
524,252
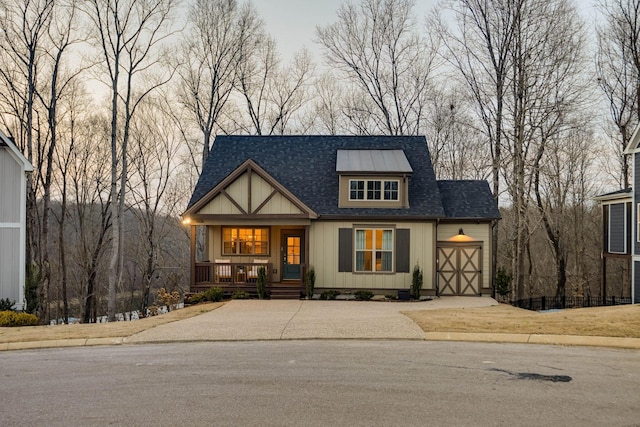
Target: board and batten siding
x,y
324,256
636,282
636,201
10,188
12,226
478,232
260,191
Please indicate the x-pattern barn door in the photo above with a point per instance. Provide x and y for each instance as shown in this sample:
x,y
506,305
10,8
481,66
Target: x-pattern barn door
x,y
459,269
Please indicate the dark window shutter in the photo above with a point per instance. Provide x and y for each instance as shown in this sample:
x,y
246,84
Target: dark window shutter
x,y
345,250
402,250
617,228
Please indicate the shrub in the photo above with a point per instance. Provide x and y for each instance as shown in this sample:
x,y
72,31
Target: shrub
x,y
152,310
214,294
261,283
170,299
332,294
416,282
310,281
239,294
6,304
196,298
503,282
363,295
11,318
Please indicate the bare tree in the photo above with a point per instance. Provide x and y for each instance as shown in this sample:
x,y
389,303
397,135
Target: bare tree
x,y
480,50
128,33
618,68
23,34
154,161
273,94
219,33
376,46
61,36
453,137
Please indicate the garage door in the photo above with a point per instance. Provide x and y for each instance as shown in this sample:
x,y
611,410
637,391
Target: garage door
x,y
459,269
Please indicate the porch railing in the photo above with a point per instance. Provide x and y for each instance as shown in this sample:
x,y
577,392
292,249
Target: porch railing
x,y
233,273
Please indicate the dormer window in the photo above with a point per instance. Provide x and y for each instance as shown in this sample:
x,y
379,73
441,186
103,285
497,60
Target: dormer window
x,y
376,189
373,179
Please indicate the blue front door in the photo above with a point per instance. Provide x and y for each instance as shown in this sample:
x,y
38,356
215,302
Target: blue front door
x,y
292,254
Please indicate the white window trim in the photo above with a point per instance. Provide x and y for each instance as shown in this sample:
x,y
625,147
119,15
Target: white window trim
x,y
366,186
373,250
637,222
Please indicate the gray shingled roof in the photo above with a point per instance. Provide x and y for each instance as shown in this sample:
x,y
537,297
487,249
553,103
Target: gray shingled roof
x,y
306,166
468,199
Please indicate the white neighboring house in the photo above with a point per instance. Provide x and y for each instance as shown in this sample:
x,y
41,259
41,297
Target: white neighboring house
x,y
14,168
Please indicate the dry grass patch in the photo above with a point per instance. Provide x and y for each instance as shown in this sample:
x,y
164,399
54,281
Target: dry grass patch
x,y
100,330
618,321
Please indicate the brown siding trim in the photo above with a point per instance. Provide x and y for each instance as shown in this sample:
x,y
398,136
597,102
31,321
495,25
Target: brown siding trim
x,y
232,200
214,217
193,255
265,201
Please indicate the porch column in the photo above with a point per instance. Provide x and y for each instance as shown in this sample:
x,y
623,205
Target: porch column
x,y
193,257
306,252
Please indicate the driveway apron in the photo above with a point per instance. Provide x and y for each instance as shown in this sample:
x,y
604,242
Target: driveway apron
x,y
240,320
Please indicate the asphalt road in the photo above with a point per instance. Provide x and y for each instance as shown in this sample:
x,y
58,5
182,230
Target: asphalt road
x,y
314,383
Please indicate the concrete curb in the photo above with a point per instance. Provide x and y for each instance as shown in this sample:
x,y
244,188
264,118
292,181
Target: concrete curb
x,y
573,340
76,342
566,340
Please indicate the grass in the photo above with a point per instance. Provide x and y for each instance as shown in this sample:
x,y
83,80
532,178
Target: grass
x,y
618,321
100,330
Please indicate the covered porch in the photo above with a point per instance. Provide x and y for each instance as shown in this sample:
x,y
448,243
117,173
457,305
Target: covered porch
x,y
231,257
246,222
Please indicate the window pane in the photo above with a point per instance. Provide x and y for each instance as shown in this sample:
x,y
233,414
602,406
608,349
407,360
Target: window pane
x,y
228,246
373,190
367,261
356,190
387,259
360,239
369,239
359,261
387,240
391,190
261,241
378,239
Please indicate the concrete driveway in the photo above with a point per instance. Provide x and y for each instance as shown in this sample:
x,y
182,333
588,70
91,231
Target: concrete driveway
x,y
301,319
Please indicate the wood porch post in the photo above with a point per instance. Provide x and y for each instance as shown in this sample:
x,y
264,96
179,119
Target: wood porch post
x,y
306,251
193,257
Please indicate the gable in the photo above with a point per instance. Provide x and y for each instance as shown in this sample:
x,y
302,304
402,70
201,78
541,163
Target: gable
x,y
250,191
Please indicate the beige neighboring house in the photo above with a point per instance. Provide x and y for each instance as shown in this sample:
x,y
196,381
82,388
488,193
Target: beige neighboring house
x,y
361,210
14,168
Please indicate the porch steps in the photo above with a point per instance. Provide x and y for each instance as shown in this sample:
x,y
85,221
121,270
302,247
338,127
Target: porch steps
x,y
286,292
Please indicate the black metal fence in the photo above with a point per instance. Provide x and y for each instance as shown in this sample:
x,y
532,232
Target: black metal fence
x,y
550,303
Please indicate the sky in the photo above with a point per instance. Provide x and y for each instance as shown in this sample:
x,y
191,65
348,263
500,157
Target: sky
x,y
293,22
